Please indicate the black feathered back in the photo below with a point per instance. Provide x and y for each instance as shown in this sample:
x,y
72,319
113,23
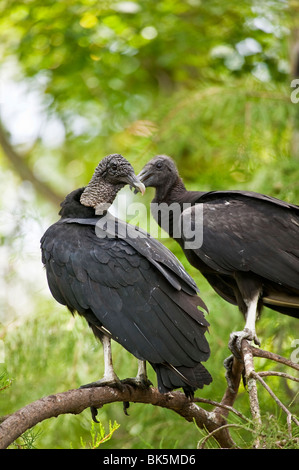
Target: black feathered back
x,y
135,288
246,236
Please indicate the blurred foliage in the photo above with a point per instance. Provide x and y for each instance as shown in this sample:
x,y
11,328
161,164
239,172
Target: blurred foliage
x,y
198,80
206,82
99,435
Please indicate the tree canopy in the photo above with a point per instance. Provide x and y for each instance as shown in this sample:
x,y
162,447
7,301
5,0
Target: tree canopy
x,y
133,75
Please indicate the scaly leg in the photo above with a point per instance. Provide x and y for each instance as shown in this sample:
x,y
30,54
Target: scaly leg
x,y
110,378
236,338
248,332
141,379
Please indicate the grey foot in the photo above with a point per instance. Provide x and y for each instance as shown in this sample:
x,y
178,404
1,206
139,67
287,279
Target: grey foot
x,y
115,383
228,364
140,381
236,338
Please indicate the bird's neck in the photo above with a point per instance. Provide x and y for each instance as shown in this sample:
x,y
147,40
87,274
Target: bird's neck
x,y
99,194
167,205
171,194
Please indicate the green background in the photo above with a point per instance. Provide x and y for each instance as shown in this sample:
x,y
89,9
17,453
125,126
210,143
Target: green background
x,y
206,82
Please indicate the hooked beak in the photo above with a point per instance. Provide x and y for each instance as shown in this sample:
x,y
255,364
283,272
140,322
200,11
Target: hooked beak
x,y
142,175
134,181
145,177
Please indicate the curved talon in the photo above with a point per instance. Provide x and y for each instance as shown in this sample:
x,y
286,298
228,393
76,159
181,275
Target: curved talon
x,y
236,338
104,383
141,381
94,413
126,406
228,364
251,336
101,383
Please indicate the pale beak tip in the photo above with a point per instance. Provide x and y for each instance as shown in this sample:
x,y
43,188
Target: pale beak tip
x,y
141,187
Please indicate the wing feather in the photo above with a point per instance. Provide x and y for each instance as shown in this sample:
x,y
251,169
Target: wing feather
x,y
114,284
243,235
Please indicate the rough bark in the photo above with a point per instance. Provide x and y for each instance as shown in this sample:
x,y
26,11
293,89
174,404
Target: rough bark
x,y
75,401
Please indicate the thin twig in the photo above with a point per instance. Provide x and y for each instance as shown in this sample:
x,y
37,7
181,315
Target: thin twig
x,y
203,441
269,373
22,168
221,405
251,381
6,386
256,352
279,403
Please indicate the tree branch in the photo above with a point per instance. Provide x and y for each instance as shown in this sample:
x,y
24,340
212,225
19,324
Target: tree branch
x,y
251,382
214,422
75,401
256,352
25,172
268,373
248,353
221,412
279,403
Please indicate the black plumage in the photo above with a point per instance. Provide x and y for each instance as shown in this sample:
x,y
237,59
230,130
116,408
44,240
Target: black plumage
x,y
129,288
249,242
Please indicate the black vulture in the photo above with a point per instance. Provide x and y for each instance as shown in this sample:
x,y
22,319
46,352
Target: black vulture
x,y
245,244
127,285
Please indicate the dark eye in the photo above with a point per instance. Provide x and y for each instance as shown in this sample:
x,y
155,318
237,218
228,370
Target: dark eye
x,y
113,167
159,165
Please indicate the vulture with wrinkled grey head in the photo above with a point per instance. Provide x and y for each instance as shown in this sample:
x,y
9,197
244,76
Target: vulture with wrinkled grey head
x,y
126,285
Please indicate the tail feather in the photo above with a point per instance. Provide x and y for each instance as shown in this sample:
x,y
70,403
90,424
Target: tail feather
x,y
188,378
